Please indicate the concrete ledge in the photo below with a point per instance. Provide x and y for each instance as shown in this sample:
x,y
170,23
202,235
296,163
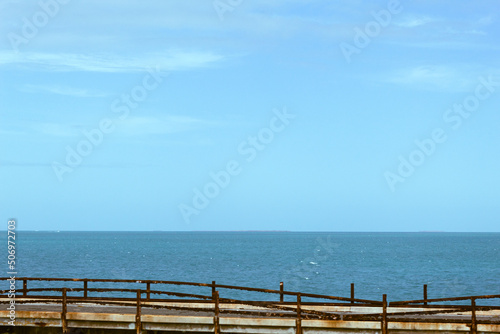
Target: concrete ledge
x,y
123,318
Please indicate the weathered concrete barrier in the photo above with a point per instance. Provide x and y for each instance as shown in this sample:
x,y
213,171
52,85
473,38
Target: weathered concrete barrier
x,y
96,318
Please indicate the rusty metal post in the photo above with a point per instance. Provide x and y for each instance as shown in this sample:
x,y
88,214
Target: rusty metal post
x,y
85,287
425,294
216,313
138,325
298,322
64,311
148,290
384,314
25,287
473,325
352,293
281,292
213,290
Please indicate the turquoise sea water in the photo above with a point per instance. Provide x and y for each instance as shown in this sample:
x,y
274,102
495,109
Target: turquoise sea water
x,y
398,264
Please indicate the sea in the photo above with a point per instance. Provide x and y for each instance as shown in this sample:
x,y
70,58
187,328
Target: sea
x,y
396,264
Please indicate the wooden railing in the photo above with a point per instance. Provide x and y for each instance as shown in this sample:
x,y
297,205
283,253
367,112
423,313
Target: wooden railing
x,y
279,308
429,303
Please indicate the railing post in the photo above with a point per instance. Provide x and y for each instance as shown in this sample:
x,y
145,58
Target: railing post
x,y
384,314
216,313
213,290
138,324
425,294
148,290
298,322
85,287
473,325
281,292
352,293
25,287
64,311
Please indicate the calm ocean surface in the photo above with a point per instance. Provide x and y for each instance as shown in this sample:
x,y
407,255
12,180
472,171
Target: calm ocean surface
x,y
398,264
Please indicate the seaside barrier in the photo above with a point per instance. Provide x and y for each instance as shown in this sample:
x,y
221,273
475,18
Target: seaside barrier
x,y
322,311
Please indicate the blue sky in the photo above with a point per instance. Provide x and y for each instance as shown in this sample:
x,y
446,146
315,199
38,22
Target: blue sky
x,y
250,115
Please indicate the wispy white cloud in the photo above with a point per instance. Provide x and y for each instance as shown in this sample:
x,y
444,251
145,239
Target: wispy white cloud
x,y
56,129
439,77
167,61
21,163
443,31
475,32
413,21
139,25
461,31
165,124
9,163
131,126
40,128
60,90
486,20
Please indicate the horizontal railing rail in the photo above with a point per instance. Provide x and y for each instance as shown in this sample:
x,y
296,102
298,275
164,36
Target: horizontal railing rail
x,y
434,300
212,285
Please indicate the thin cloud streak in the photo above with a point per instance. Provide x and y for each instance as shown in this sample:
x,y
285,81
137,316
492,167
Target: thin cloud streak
x,y
59,90
439,77
412,21
10,163
132,126
167,124
168,61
